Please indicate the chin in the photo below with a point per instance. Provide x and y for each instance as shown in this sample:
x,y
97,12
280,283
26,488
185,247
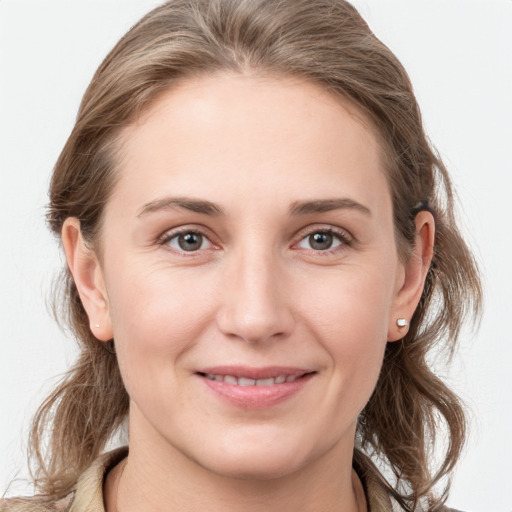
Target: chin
x,y
262,460
250,469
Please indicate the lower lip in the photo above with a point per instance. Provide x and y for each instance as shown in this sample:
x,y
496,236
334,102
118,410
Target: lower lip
x,y
256,397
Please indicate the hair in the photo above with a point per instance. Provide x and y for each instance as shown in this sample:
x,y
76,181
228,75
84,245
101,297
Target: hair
x,y
328,43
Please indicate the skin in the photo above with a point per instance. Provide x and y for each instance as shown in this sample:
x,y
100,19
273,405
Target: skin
x,y
256,293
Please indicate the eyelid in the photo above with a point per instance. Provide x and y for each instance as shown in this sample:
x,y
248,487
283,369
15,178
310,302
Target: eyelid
x,y
346,238
169,234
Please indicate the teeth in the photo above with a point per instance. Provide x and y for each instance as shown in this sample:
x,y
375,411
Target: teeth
x,y
245,381
242,381
265,382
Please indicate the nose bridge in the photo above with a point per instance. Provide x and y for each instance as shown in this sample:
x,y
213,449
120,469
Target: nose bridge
x,y
254,306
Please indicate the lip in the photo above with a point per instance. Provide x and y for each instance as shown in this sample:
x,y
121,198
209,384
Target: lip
x,y
255,397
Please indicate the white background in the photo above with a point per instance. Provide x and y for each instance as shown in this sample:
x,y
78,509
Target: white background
x,y
459,56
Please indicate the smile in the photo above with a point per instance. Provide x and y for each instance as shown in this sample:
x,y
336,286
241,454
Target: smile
x,y
246,381
255,388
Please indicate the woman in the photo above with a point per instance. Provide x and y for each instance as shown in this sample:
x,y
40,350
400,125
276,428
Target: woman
x,y
261,253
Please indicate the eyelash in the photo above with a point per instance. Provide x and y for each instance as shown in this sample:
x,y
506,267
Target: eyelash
x,y
343,237
166,238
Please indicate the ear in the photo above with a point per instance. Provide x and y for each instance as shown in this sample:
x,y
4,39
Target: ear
x,y
88,277
411,280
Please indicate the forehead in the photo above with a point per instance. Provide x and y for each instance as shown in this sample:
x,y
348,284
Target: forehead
x,y
222,134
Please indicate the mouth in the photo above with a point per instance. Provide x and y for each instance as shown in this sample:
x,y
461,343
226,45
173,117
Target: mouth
x,y
247,381
255,388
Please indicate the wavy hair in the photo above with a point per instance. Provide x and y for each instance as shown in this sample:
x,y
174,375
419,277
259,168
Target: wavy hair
x,y
326,42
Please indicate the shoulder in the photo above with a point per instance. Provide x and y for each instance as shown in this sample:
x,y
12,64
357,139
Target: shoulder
x,y
86,496
37,504
380,496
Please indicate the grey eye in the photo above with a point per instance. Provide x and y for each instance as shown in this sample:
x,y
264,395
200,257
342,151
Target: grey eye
x,y
189,241
320,241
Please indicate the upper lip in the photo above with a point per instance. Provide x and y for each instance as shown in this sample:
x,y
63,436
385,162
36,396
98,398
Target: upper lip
x,y
251,372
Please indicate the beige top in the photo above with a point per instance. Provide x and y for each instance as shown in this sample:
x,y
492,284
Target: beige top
x,y
88,493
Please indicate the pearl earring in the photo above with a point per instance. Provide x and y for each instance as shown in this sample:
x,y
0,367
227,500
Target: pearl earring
x,y
401,322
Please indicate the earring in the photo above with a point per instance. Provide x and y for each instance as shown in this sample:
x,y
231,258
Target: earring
x,y
401,322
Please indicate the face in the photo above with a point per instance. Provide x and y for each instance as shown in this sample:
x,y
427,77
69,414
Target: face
x,y
250,272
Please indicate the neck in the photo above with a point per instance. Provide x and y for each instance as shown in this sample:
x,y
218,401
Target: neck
x,y
174,482
158,476
135,492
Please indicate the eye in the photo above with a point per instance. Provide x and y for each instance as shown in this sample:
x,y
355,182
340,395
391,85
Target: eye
x,y
322,240
188,241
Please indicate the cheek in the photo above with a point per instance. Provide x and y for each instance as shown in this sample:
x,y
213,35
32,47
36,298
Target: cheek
x,y
352,303
157,316
349,314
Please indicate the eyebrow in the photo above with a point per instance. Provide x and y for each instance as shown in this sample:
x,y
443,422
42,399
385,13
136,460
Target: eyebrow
x,y
327,205
209,208
186,203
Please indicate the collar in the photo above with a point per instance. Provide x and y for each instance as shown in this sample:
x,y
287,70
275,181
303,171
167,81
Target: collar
x,y
88,494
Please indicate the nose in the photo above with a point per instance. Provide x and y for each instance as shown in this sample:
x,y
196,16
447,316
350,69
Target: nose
x,y
255,300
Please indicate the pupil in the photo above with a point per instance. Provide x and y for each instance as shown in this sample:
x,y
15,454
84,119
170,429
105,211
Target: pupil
x,y
320,241
190,241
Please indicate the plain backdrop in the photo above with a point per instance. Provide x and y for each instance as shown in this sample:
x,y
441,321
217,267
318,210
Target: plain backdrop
x,y
459,56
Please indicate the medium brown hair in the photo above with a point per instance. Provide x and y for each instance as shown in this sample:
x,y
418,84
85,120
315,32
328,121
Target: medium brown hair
x,y
328,43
